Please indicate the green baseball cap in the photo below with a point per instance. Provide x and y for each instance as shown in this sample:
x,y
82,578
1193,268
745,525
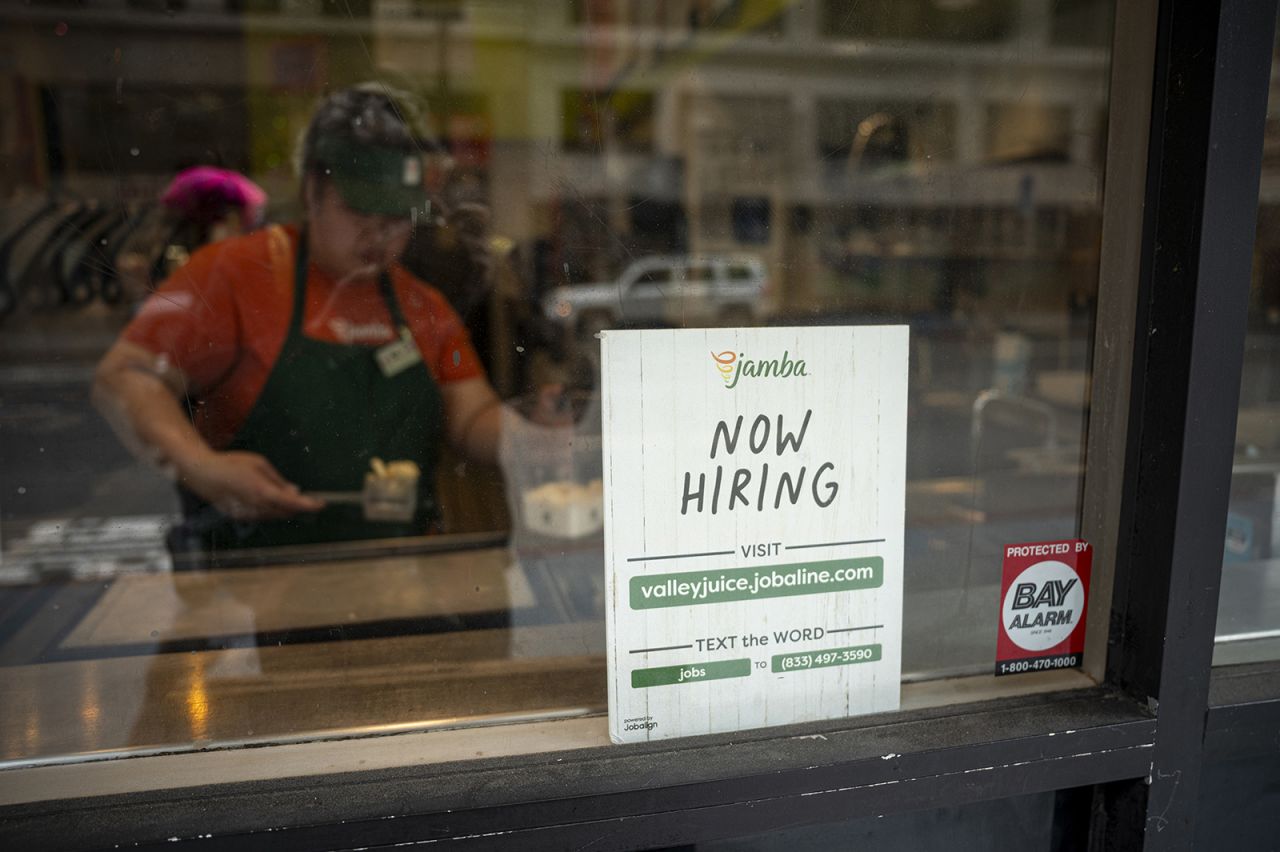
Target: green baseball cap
x,y
372,179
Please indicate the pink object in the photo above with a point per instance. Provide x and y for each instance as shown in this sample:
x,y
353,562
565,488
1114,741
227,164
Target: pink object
x,y
204,193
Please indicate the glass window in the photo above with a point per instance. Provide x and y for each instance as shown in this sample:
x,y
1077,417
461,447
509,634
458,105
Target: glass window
x,y
698,273
654,276
144,129
978,21
594,120
680,16
751,220
1076,23
1028,132
224,519
1249,601
158,5
861,135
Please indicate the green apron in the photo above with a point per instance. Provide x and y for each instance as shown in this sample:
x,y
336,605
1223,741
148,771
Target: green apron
x,y
325,411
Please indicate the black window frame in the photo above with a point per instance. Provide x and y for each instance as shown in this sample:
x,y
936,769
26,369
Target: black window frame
x,y
1127,755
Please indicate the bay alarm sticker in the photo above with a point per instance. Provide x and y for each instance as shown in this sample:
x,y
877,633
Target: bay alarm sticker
x,y
1042,606
754,487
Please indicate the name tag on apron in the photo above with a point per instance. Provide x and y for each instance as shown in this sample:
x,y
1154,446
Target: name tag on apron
x,y
397,356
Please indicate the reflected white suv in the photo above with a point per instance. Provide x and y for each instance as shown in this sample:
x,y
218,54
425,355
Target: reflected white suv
x,y
658,290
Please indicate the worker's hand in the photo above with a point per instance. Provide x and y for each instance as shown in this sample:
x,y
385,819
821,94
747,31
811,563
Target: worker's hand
x,y
245,486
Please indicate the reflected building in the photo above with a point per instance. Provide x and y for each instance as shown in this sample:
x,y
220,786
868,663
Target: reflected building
x,y
895,160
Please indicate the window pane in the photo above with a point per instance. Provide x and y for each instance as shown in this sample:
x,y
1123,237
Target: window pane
x,y
570,167
624,118
983,20
879,134
654,276
1249,603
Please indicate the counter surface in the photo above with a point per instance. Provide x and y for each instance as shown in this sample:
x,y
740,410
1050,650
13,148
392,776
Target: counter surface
x,y
189,659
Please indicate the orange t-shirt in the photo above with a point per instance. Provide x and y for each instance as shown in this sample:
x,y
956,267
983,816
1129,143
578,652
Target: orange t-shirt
x,y
223,318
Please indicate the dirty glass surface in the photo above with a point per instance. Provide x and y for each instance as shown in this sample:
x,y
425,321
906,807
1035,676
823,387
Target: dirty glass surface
x,y
1249,602
590,165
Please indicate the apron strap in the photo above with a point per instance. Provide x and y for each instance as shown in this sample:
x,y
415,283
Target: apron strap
x,y
279,249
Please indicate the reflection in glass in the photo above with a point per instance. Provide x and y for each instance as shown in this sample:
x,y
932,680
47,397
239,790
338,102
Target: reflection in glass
x,y
1249,602
600,164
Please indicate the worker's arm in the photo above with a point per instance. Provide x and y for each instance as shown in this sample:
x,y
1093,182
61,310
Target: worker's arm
x,y
473,418
140,394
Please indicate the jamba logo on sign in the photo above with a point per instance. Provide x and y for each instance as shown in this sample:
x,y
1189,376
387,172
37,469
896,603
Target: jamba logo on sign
x,y
733,366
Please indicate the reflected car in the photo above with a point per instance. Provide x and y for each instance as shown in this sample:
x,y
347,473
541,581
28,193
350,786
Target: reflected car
x,y
658,291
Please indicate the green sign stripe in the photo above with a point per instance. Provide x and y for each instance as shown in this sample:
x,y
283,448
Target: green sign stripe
x,y
691,588
825,658
689,673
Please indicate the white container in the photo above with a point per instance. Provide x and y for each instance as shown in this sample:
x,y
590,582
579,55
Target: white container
x,y
553,470
390,498
564,509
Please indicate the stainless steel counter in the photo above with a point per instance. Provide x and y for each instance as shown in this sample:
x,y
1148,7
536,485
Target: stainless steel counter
x,y
193,659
